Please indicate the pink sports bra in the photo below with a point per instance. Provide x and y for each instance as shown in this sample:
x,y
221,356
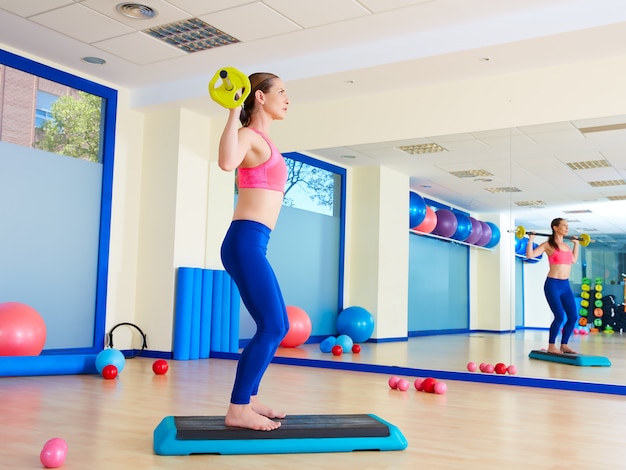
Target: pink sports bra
x,y
561,257
271,174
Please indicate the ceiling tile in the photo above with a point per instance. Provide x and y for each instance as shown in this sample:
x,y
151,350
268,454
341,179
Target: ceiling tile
x,y
32,7
166,13
320,12
202,7
139,48
81,23
384,5
250,22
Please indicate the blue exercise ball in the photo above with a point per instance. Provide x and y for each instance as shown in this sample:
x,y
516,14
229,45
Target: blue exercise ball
x,y
357,323
110,356
463,227
520,246
417,209
495,235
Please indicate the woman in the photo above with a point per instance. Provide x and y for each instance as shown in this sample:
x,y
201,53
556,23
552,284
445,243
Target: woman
x,y
261,177
557,289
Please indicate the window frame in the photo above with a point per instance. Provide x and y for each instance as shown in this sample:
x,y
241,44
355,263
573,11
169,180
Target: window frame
x,y
109,115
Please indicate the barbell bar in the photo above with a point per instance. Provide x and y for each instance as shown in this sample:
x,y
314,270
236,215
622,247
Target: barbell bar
x,y
233,90
520,232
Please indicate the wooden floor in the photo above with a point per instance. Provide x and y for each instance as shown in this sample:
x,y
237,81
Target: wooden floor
x,y
109,423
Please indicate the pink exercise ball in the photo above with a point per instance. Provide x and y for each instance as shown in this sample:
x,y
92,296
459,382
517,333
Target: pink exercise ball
x,y
299,328
22,330
429,223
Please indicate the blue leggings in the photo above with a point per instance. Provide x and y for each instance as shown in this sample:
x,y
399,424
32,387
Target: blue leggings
x,y
244,258
561,301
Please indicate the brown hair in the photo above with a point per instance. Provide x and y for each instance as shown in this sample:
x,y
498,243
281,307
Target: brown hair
x,y
555,223
258,81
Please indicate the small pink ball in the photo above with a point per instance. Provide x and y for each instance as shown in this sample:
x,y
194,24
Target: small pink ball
x,y
403,385
489,369
418,384
482,366
440,388
471,366
512,370
393,382
53,453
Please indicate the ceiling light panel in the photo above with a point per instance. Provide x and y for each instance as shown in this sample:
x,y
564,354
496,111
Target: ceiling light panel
x,y
587,165
470,173
530,203
419,149
605,183
506,189
192,35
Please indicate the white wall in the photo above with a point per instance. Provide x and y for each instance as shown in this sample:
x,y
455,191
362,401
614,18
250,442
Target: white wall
x,y
537,313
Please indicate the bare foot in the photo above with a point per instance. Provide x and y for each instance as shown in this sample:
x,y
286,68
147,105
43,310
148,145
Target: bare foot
x,y
566,349
553,349
265,410
243,416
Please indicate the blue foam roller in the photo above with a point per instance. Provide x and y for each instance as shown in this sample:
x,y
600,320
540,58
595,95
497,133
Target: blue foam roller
x,y
206,312
216,317
50,364
235,302
182,319
196,305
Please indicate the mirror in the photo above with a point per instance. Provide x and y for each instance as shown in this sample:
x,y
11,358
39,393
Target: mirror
x,y
530,174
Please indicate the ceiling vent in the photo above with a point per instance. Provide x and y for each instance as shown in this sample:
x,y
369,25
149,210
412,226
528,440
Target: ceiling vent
x,y
192,35
419,149
588,165
609,127
136,11
616,198
578,211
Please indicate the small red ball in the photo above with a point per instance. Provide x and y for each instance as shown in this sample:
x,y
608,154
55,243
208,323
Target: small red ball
x,y
428,385
356,349
500,368
109,372
337,350
160,367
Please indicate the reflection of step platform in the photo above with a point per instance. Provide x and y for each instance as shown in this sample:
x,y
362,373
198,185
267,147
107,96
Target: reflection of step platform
x,y
184,435
571,359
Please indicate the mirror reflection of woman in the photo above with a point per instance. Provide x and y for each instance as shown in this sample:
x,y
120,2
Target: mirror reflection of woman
x,y
557,288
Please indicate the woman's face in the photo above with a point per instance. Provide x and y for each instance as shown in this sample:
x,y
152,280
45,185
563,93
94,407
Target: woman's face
x,y
562,228
276,101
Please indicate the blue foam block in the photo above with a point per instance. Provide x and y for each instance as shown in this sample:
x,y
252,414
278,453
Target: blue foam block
x,y
187,435
571,359
52,364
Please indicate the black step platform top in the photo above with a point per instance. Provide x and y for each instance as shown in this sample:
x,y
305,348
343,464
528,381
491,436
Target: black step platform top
x,y
292,427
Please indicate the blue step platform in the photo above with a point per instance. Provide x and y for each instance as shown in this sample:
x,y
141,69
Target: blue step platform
x,y
571,359
185,435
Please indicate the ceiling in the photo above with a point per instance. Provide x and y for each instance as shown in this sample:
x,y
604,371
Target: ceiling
x,y
324,44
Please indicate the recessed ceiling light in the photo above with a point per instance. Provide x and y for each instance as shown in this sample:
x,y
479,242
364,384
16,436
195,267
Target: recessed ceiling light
x,y
348,156
136,11
93,60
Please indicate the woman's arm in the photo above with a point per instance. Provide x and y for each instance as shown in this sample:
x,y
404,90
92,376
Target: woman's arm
x,y
533,253
575,249
233,148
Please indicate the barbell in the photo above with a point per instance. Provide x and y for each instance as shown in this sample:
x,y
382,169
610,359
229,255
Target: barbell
x,y
233,90
520,232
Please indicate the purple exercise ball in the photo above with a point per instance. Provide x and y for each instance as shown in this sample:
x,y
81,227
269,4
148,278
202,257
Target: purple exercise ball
x,y
485,237
446,223
477,231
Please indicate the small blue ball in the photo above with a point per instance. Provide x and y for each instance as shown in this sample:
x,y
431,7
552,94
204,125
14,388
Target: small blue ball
x,y
110,356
